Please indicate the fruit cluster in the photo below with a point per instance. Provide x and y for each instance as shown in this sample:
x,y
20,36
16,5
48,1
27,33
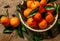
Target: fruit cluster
x,y
6,21
38,15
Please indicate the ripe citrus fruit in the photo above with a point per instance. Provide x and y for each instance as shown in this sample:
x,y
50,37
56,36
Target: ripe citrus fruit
x,y
50,11
37,17
5,21
29,3
35,4
31,22
14,21
49,17
43,2
27,11
41,10
43,24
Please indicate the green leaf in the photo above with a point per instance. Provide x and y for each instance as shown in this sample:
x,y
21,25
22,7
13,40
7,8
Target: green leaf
x,y
53,0
48,1
36,36
32,13
58,21
19,31
39,0
2,15
8,30
49,7
19,8
17,14
23,27
56,7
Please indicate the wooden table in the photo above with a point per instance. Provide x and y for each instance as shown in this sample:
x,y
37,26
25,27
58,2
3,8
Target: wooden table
x,y
13,36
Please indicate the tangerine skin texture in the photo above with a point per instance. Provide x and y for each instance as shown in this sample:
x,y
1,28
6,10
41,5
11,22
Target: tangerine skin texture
x,y
43,2
35,4
49,17
37,17
5,21
29,4
31,22
14,21
42,24
27,11
41,10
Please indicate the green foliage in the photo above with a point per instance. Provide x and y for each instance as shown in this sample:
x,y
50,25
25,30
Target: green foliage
x,y
32,13
58,21
19,31
8,30
49,7
48,1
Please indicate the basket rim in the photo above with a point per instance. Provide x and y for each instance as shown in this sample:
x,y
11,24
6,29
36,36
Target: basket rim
x,y
39,30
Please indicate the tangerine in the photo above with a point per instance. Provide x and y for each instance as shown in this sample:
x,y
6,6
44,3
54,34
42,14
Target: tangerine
x,y
14,21
37,17
35,4
27,11
43,24
31,22
49,17
29,3
42,9
43,2
5,21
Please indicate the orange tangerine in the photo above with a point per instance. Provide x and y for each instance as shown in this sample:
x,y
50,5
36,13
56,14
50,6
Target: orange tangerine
x,y
5,21
31,22
42,9
37,17
29,3
50,11
43,24
43,2
14,21
35,4
27,11
49,17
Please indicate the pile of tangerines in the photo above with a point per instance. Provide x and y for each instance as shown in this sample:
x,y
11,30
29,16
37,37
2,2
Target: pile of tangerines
x,y
37,21
6,21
